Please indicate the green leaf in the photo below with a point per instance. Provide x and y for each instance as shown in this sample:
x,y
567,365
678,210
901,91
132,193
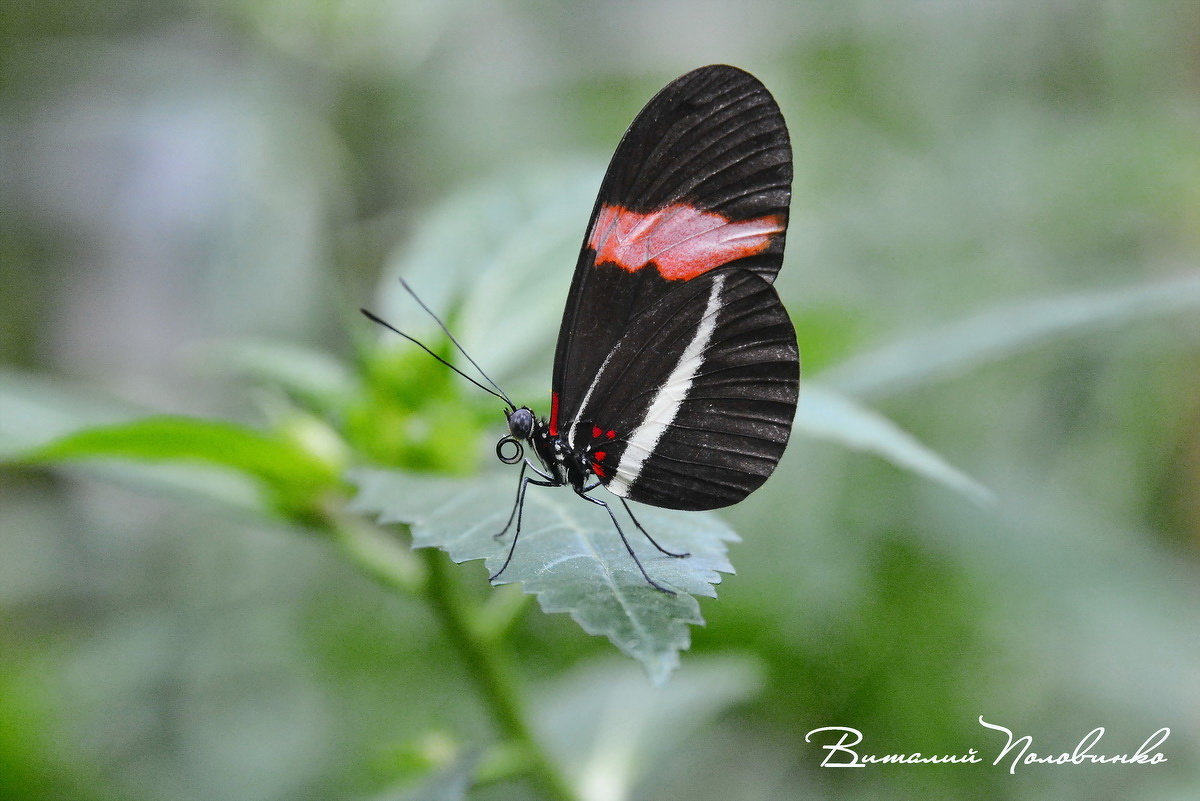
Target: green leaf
x,y
35,410
610,729
1001,332
291,472
829,415
450,783
322,382
569,554
501,256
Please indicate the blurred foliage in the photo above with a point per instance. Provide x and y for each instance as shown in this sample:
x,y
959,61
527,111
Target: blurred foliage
x,y
993,251
411,414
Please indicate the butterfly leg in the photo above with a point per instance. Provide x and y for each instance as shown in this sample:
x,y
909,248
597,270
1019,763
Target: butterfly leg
x,y
520,495
518,510
647,534
628,547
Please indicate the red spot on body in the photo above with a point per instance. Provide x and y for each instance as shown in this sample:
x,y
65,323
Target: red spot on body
x,y
681,240
595,431
611,434
598,470
554,414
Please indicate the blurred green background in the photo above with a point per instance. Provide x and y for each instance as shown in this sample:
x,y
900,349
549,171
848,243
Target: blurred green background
x,y
179,175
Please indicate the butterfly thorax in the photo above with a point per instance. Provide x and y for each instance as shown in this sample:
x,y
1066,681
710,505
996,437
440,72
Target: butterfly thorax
x,y
566,465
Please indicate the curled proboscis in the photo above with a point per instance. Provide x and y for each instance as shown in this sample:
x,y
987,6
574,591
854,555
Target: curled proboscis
x,y
514,456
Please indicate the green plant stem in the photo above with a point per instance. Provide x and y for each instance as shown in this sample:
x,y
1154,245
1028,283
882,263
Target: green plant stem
x,y
487,666
378,555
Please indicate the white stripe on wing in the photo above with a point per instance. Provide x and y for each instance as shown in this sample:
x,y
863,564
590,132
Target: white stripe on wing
x,y
670,396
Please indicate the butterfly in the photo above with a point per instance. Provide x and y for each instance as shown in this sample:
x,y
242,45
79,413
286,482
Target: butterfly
x,y
677,371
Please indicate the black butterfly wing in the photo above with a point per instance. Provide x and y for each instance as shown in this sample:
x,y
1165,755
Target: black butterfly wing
x,y
693,407
701,180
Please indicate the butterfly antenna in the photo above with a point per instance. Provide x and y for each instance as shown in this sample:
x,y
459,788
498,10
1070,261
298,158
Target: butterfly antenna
x,y
425,348
461,349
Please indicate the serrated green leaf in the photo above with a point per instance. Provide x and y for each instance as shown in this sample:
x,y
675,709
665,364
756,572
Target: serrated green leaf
x,y
1000,332
829,415
569,554
282,465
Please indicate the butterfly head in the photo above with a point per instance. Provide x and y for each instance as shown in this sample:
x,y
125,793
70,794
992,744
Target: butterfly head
x,y
520,428
520,422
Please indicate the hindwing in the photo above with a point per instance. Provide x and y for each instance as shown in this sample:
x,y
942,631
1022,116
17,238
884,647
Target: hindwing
x,y
693,406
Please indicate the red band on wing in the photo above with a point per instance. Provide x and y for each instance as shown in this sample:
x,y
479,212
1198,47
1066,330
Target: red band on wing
x,y
554,414
681,240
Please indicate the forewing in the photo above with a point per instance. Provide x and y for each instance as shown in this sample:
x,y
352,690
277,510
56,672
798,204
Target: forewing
x,y
693,407
701,180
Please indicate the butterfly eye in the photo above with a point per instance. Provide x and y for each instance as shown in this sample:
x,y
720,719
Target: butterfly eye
x,y
513,456
520,423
